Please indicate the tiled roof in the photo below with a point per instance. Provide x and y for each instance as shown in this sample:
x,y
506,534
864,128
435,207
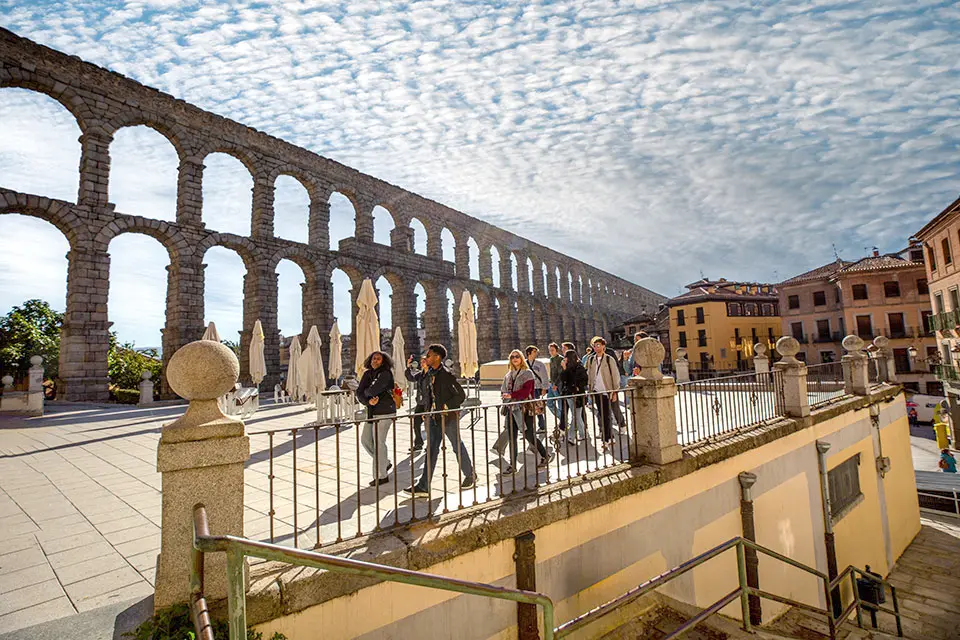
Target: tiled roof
x,y
879,263
820,273
701,294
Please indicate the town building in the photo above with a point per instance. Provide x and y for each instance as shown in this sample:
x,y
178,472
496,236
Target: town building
x,y
940,240
718,322
879,295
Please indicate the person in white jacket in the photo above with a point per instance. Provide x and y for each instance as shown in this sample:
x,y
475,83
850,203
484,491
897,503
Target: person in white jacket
x,y
603,378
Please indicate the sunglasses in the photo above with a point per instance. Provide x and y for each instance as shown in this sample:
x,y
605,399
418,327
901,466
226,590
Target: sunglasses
x,y
516,358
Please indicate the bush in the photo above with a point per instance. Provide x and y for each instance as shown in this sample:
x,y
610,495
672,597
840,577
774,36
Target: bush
x,y
174,623
127,396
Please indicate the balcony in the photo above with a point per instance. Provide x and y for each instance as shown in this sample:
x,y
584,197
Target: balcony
x,y
905,332
944,320
947,372
822,338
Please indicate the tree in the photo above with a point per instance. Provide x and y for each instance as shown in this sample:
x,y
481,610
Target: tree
x,y
125,363
31,329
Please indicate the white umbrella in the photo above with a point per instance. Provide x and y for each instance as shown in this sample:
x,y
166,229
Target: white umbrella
x,y
211,333
311,373
258,364
399,359
293,369
467,329
336,355
366,330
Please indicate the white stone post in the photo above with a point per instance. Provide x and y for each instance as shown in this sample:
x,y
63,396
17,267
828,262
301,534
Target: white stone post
x,y
201,456
761,363
854,363
887,365
35,386
652,403
681,365
146,388
794,373
7,382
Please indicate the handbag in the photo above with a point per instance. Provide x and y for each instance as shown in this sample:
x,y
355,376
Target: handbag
x,y
534,408
398,396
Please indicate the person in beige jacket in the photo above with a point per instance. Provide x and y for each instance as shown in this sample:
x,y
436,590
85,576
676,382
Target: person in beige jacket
x,y
604,380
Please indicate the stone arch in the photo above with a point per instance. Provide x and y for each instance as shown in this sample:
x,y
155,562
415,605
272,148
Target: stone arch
x,y
237,153
340,200
378,219
56,212
238,210
69,99
138,168
175,134
147,297
415,238
227,285
448,245
473,258
291,221
169,236
244,247
298,174
496,258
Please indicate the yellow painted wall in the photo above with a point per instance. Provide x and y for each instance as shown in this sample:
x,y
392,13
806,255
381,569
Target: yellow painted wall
x,y
595,556
720,330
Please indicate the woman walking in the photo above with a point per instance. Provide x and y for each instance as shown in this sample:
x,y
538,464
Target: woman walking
x,y
375,391
518,385
573,382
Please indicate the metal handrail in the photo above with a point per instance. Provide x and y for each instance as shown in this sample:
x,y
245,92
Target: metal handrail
x,y
239,548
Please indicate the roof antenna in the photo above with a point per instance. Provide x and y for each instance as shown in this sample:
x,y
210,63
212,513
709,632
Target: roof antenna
x,y
702,277
836,254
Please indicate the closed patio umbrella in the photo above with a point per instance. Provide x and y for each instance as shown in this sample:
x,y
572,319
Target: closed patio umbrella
x,y
399,358
366,330
293,370
211,333
311,373
467,329
258,364
336,353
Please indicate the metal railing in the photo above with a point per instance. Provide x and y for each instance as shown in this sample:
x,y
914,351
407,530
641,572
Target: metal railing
x,y
743,592
824,383
716,406
946,372
944,320
320,479
239,548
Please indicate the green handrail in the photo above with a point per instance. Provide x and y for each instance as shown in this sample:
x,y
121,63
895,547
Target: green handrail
x,y
239,548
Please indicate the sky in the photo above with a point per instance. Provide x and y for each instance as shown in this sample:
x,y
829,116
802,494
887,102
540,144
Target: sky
x,y
657,141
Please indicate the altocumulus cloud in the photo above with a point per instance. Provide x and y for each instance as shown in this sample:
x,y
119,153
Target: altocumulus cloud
x,y
651,140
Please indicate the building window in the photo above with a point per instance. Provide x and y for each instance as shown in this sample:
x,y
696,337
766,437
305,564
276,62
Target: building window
x,y
737,340
750,309
700,317
796,330
683,339
934,388
954,299
865,327
827,356
859,292
925,322
819,298
733,308
891,289
911,386
768,310
844,482
793,302
702,338
922,287
897,328
823,330
916,255
938,302
802,356
680,319
947,256
901,360
932,258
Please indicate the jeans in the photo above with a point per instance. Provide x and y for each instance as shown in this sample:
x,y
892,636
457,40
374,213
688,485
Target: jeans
x,y
450,428
605,411
517,418
373,438
553,405
417,424
626,396
578,418
541,418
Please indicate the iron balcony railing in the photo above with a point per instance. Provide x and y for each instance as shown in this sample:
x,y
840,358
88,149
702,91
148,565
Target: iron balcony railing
x,y
237,549
823,338
947,372
320,481
944,320
713,407
824,383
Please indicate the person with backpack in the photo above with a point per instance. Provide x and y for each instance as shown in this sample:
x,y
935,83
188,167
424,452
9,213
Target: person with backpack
x,y
603,381
444,395
573,382
541,381
418,376
375,392
947,463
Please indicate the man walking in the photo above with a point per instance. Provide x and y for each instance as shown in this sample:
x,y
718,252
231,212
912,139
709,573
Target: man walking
x,y
556,367
418,376
446,395
603,379
541,380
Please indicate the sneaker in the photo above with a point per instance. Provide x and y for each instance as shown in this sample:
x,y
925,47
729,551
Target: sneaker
x,y
507,469
468,483
572,443
546,461
415,449
417,492
376,481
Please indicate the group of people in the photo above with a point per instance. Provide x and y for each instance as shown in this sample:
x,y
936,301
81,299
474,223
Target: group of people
x,y
570,385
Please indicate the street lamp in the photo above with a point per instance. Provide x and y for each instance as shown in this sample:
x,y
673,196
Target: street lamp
x,y
912,351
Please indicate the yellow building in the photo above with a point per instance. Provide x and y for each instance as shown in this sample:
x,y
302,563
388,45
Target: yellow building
x,y
718,322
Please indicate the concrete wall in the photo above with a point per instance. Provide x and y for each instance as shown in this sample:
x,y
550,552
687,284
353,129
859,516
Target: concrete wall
x,y
588,558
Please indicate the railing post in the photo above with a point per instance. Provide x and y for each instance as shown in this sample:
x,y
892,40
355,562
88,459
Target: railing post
x,y
201,456
236,595
761,363
35,386
747,480
829,540
854,361
888,366
146,388
744,594
652,404
795,400
525,563
681,366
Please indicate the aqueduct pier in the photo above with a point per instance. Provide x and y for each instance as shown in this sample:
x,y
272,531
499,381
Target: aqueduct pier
x,y
565,298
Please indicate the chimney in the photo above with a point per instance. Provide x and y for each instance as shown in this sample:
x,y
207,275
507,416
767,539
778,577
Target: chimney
x,y
876,253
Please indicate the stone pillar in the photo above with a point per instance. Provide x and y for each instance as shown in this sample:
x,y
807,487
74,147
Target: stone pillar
x,y
462,259
681,366
85,332
35,375
94,169
184,324
201,456
748,526
261,222
509,340
794,375
190,192
486,266
146,389
488,345
537,284
652,404
506,272
404,303
437,329
434,244
886,365
523,274
854,363
541,328
318,227
554,323
761,363
401,239
364,223
260,303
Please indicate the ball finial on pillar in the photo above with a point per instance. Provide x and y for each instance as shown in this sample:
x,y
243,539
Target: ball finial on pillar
x,y
648,353
201,372
788,347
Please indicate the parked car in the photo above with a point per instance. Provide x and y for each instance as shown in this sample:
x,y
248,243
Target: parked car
x,y
924,405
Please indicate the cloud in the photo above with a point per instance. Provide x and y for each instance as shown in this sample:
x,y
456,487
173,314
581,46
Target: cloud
x,y
653,141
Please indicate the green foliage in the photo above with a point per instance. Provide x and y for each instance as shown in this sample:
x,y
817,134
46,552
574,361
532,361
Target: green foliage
x,y
125,364
174,623
31,329
127,396
233,346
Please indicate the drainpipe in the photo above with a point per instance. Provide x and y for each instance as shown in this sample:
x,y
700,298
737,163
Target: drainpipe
x,y
747,480
830,543
525,561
